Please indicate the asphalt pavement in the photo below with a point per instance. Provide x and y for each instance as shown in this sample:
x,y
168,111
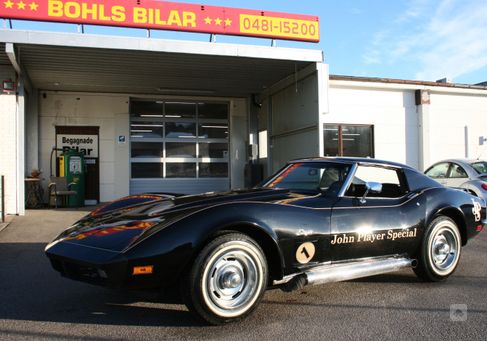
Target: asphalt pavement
x,y
37,303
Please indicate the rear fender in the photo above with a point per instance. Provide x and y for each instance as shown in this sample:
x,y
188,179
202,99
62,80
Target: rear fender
x,y
457,216
457,205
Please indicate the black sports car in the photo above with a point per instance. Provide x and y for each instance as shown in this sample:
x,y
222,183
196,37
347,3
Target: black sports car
x,y
315,221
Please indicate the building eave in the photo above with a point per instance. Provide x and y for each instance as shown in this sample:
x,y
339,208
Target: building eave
x,y
158,45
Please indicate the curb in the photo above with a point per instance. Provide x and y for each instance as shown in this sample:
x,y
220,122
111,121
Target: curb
x,y
7,222
3,226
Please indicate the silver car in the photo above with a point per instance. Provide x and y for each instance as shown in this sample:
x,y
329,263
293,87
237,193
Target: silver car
x,y
460,173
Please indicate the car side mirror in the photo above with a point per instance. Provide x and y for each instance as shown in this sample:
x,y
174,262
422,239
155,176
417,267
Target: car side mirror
x,y
371,187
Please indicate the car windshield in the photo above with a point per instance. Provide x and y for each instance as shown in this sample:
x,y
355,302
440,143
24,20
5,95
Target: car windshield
x,y
310,176
480,167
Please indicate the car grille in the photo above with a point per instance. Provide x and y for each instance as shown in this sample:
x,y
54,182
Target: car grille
x,y
78,271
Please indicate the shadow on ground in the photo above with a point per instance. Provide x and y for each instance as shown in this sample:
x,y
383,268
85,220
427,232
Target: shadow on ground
x,y
32,290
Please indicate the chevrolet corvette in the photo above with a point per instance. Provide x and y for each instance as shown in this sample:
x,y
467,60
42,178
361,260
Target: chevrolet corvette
x,y
315,221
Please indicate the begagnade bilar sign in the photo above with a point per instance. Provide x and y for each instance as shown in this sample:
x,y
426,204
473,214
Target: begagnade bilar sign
x,y
85,144
163,15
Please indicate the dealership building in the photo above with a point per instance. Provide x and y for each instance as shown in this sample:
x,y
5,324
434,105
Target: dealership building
x,y
155,115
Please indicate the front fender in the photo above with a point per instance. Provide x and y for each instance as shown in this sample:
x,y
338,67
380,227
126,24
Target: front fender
x,y
175,246
281,226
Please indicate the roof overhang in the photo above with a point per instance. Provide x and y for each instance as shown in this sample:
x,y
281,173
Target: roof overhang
x,y
83,62
340,81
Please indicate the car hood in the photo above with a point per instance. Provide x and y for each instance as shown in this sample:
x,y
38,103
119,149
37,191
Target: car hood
x,y
118,229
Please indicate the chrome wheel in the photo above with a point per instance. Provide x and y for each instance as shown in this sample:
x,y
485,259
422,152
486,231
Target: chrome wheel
x,y
233,278
444,247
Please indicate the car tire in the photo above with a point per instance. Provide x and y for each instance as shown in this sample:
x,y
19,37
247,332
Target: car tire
x,y
440,250
227,279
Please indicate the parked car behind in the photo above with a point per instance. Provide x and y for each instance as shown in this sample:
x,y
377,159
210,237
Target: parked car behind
x,y
459,173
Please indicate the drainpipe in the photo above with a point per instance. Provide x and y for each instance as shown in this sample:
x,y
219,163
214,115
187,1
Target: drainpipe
x,y
422,98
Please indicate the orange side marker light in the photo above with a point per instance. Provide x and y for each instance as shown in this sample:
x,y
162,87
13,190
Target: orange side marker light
x,y
143,270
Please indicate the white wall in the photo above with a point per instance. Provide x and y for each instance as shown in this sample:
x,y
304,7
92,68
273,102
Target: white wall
x,y
110,113
456,123
392,112
8,142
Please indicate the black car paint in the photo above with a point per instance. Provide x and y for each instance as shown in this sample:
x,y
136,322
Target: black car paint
x,y
279,219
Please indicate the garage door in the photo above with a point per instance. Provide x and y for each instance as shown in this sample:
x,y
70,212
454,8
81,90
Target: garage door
x,y
179,146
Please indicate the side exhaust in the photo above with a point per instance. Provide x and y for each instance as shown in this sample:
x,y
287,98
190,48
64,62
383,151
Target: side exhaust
x,y
348,271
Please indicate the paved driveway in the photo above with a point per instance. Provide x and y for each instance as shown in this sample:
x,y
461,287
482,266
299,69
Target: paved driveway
x,y
36,303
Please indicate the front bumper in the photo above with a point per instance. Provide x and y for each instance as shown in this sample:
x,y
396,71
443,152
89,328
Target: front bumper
x,y
92,265
104,267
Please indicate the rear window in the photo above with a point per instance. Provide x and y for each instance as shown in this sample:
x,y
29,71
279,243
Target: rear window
x,y
480,167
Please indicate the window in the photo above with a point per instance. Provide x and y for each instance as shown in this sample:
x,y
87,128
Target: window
x,y
146,129
147,149
480,167
146,109
177,139
348,140
438,171
147,170
180,110
214,131
176,130
213,170
180,170
457,171
180,150
327,177
213,111
390,179
213,150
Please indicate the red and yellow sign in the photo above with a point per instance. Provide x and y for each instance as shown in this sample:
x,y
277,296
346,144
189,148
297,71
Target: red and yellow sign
x,y
151,14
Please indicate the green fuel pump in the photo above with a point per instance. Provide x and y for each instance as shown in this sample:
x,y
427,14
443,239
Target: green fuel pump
x,y
72,166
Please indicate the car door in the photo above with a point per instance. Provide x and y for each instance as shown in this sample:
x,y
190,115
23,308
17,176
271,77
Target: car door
x,y
381,223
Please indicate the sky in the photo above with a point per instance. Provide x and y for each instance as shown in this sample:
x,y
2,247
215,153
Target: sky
x,y
415,39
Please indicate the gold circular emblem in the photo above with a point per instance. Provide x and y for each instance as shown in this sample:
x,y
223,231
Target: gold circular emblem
x,y
305,252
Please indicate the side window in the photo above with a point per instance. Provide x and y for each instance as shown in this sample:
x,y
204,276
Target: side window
x,y
300,176
391,179
439,171
457,171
